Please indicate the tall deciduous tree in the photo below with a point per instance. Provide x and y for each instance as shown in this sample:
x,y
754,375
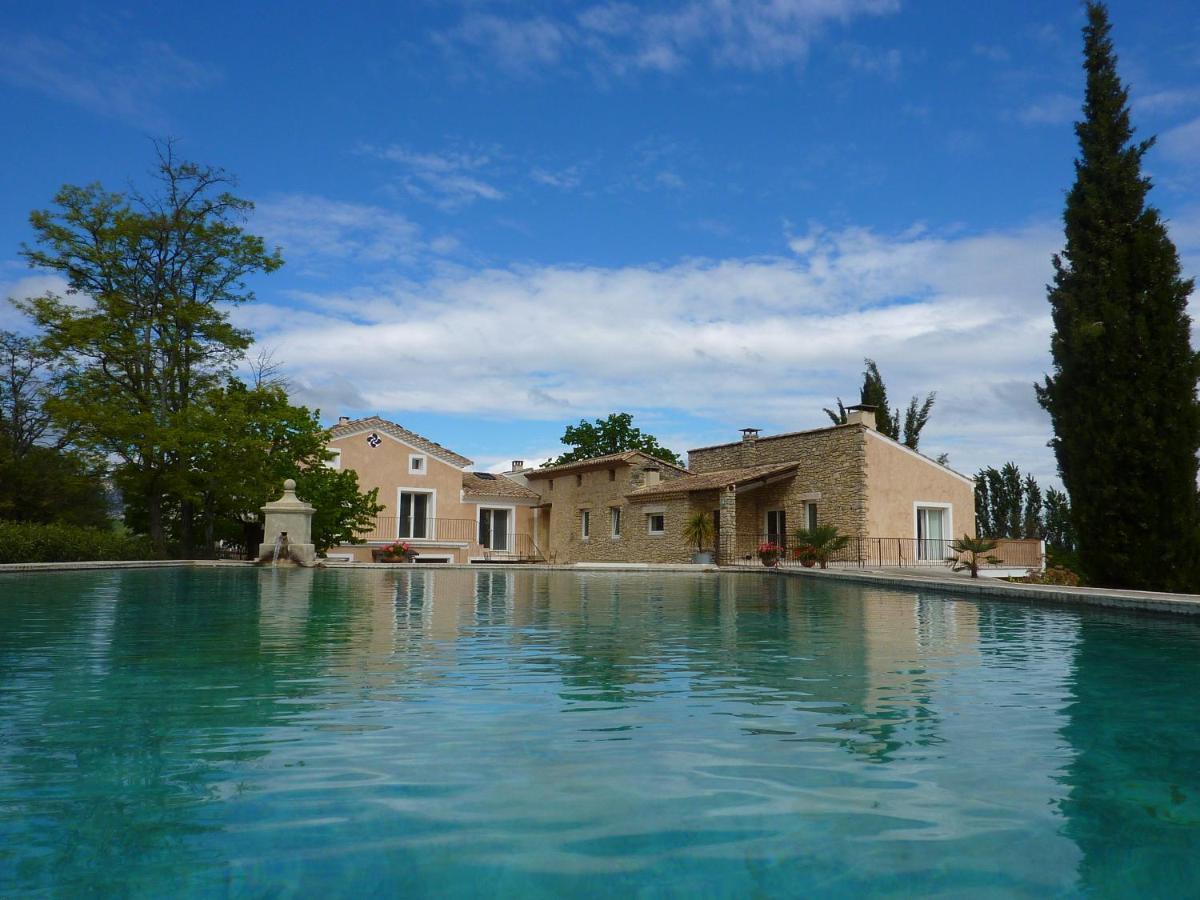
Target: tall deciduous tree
x,y
147,331
1122,396
615,433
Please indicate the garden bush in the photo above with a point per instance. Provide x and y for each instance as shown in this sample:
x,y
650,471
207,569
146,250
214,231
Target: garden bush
x,y
34,542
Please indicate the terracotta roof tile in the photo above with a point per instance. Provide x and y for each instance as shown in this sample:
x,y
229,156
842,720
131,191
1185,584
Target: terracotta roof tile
x,y
596,461
485,484
709,481
374,423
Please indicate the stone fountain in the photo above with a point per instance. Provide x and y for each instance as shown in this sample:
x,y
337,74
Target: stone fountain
x,y
287,530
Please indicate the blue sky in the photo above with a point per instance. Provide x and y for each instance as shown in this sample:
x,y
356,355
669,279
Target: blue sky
x,y
501,217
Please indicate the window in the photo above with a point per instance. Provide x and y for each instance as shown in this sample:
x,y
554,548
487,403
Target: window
x,y
335,461
551,485
612,474
931,532
810,516
656,523
578,480
493,528
776,526
414,519
416,464
585,523
615,518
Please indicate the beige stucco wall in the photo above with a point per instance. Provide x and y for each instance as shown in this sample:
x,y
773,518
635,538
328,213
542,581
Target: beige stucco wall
x,y
897,479
386,467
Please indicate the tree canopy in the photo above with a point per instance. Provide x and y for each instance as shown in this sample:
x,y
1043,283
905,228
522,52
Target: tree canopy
x,y
615,433
1122,394
906,430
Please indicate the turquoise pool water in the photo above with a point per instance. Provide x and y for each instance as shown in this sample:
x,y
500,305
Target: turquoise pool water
x,y
416,732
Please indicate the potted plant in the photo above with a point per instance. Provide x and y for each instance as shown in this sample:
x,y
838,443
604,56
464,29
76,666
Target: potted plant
x,y
768,553
970,553
395,552
819,544
699,529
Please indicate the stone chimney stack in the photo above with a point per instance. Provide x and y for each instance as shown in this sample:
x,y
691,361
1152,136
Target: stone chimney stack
x,y
517,465
749,454
863,414
651,476
342,420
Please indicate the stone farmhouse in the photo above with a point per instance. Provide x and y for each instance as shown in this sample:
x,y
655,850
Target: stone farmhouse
x,y
897,505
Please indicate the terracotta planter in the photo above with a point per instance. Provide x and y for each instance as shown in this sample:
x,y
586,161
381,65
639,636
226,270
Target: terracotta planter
x,y
808,563
769,559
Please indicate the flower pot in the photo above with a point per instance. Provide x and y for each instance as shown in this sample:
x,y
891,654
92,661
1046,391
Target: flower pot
x,y
808,563
703,558
770,559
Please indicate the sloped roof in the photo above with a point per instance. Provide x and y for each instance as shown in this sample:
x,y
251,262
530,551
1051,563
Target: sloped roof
x,y
485,484
709,481
598,462
374,423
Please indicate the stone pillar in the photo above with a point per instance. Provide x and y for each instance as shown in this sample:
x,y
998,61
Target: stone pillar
x,y
292,517
728,507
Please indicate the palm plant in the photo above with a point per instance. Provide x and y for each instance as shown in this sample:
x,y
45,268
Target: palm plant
x,y
699,528
970,553
819,543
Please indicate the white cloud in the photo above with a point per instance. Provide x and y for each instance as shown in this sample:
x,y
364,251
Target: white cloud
x,y
618,38
117,80
25,287
1053,109
310,227
1182,143
774,338
450,180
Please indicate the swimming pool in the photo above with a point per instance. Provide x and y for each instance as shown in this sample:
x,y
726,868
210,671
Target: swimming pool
x,y
253,732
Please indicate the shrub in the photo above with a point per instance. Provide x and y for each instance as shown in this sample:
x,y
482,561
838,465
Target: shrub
x,y
34,542
1053,575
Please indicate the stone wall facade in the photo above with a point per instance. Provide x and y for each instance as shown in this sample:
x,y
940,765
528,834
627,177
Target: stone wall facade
x,y
598,490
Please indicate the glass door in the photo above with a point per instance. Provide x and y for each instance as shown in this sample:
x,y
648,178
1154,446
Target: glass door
x,y
931,533
414,515
493,528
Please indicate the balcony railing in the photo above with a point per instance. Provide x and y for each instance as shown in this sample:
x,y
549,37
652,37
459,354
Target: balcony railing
x,y
873,552
457,532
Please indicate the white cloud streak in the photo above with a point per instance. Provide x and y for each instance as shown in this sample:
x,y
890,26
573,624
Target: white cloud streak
x,y
619,38
771,338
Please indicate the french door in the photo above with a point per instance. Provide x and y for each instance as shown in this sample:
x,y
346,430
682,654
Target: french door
x,y
493,528
931,533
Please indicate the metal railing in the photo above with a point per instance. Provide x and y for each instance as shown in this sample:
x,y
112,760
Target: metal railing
x,y
878,552
463,533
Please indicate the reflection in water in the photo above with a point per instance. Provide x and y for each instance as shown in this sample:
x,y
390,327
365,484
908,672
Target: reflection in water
x,y
524,732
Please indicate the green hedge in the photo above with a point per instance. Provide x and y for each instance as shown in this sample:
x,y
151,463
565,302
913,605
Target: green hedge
x,y
32,542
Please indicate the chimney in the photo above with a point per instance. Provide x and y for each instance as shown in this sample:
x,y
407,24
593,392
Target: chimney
x,y
863,414
748,454
342,420
517,465
652,475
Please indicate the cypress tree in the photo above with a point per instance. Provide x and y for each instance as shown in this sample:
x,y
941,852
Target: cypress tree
x,y
1122,396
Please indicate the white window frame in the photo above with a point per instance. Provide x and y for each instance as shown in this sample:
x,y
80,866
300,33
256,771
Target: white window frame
x,y
510,532
650,517
614,522
430,513
767,522
336,462
585,524
948,522
424,467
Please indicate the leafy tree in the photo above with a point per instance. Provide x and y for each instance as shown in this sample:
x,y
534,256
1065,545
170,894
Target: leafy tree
x,y
1060,532
1031,508
147,332
343,512
1122,396
615,433
887,421
41,478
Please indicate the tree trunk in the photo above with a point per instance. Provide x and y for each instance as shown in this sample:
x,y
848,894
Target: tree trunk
x,y
154,518
187,515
